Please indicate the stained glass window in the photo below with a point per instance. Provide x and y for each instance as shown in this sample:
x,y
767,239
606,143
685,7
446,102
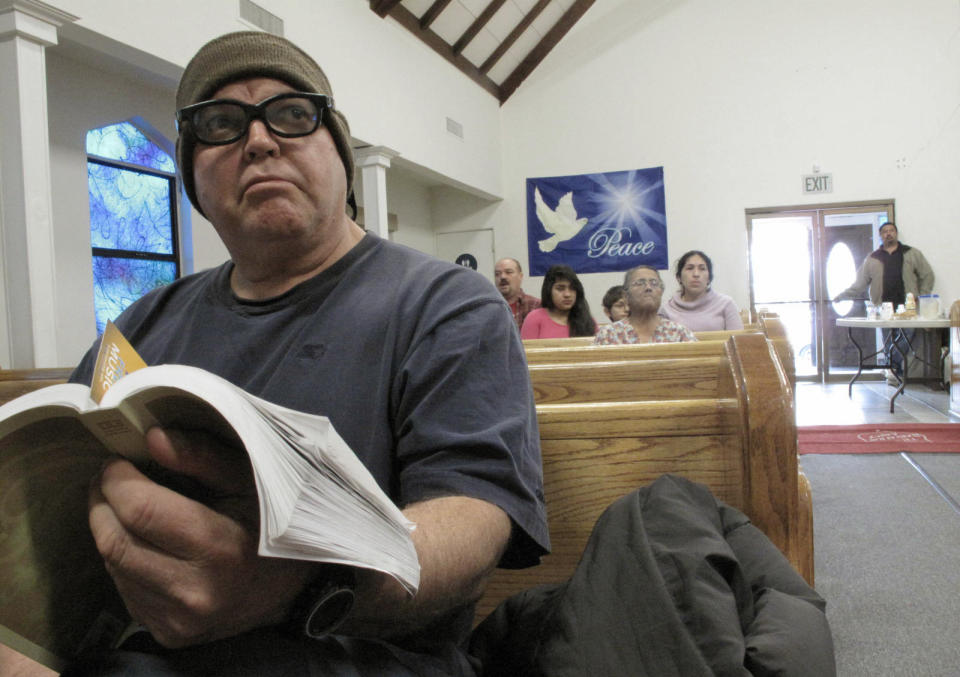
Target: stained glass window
x,y
126,143
118,282
129,209
132,217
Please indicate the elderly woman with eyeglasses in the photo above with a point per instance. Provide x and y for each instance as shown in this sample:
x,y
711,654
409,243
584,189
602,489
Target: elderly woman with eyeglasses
x,y
695,304
644,324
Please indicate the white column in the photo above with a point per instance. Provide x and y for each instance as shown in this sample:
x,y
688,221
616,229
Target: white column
x,y
373,163
27,300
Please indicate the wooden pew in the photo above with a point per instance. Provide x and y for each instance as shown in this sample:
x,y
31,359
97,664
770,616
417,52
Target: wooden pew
x,y
592,353
631,379
647,371
558,342
17,382
741,443
774,330
588,340
769,324
954,358
724,334
657,372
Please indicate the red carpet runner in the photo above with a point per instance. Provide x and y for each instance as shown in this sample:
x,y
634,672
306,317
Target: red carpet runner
x,y
879,438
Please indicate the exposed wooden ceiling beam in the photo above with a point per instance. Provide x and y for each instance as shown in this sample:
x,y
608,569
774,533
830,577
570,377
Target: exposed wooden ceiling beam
x,y
383,7
512,38
453,53
408,20
477,25
432,13
537,54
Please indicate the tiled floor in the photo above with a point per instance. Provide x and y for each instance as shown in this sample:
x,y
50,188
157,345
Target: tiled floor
x,y
829,404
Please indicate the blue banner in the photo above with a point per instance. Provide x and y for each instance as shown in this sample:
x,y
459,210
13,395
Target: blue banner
x,y
597,223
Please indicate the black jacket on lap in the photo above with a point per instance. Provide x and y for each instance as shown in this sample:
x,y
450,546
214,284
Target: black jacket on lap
x,y
673,582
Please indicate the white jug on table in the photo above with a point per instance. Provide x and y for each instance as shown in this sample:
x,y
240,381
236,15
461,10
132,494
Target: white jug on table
x,y
929,306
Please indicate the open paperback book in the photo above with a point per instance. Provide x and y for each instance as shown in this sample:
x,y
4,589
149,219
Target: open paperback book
x,y
317,500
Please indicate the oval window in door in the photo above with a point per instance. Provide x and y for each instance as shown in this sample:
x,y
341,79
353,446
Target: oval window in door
x,y
841,272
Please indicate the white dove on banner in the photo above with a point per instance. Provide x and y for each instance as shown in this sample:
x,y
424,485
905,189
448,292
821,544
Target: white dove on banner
x,y
562,221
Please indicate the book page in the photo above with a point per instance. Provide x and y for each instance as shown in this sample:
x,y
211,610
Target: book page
x,y
341,515
55,594
63,399
317,500
177,396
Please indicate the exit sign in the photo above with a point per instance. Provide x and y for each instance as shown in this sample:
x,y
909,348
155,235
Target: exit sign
x,y
818,183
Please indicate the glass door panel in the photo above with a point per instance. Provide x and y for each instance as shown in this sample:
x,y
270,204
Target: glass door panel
x,y
849,237
782,280
800,259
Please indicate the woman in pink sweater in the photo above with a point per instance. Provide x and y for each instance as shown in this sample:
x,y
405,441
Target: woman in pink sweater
x,y
696,305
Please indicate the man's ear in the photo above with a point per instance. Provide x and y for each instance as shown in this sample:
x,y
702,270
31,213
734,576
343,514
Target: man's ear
x,y
352,206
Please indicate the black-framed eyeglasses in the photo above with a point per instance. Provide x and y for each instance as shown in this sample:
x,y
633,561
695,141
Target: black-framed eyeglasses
x,y
641,283
221,121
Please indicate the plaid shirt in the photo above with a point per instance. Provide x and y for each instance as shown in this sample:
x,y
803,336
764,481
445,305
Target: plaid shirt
x,y
667,331
522,307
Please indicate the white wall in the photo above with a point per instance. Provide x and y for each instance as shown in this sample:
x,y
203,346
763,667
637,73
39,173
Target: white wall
x,y
74,109
82,98
410,201
423,210
738,99
454,210
394,90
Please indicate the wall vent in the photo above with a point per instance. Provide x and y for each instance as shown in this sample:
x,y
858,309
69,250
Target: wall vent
x,y
455,128
256,15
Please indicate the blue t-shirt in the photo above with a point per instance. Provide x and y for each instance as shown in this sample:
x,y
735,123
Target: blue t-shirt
x,y
416,362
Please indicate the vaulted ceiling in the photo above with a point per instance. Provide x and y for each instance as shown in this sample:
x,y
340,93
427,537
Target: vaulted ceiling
x,y
497,43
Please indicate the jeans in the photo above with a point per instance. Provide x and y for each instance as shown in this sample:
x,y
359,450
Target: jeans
x,y
904,340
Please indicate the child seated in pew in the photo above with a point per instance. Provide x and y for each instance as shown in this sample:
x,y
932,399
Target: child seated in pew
x,y
644,324
615,304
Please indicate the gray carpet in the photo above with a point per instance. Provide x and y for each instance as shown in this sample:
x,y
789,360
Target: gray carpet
x,y
944,470
887,549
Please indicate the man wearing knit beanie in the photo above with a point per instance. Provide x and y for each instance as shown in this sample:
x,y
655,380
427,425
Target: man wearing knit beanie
x,y
315,314
234,56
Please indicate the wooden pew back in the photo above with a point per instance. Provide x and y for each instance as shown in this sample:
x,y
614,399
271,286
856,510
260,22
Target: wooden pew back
x,y
741,445
775,330
721,335
740,441
17,382
954,358
634,379
595,453
642,351
768,323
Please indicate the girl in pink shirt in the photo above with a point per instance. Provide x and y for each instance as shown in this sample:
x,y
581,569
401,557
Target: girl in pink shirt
x,y
564,311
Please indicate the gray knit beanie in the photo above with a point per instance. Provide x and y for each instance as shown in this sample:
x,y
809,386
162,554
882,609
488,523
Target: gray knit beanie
x,y
248,54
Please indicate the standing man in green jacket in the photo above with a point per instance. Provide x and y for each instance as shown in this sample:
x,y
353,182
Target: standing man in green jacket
x,y
891,272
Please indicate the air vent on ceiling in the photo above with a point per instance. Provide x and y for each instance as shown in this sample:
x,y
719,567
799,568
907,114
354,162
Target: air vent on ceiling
x,y
455,128
254,14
